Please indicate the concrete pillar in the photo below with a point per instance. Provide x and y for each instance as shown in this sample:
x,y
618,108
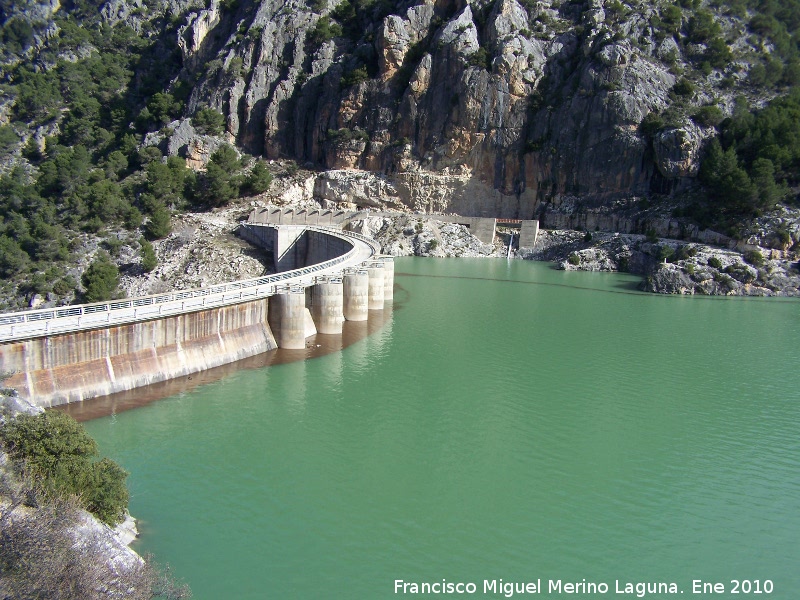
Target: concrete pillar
x,y
529,231
327,305
376,279
356,296
388,278
288,319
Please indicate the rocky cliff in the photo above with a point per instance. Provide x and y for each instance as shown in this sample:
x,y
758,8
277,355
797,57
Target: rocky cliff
x,y
526,101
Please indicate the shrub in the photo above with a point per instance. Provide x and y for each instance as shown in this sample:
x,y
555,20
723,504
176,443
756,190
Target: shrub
x,y
783,237
8,139
708,116
718,53
259,179
325,30
354,77
160,224
574,259
208,121
740,273
149,260
64,286
651,124
702,26
753,257
344,135
133,218
683,87
665,253
100,279
481,58
56,451
671,18
219,187
587,238
714,262
163,107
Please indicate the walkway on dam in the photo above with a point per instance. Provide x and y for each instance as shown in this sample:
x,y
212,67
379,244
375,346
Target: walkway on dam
x,y
45,322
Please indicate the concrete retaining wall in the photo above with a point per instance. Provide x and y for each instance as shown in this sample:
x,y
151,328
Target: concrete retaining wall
x,y
76,366
294,247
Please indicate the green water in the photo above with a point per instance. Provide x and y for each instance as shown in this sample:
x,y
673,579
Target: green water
x,y
509,421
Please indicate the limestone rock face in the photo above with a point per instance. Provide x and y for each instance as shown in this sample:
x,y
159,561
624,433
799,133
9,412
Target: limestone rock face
x,y
359,188
510,98
398,34
678,151
192,35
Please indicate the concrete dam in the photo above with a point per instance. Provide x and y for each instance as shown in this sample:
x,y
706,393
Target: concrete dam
x,y
324,276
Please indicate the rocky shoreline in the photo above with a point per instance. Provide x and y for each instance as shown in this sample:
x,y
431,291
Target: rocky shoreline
x,y
204,250
671,266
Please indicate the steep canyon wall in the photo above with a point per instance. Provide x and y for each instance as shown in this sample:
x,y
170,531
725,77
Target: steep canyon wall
x,y
512,105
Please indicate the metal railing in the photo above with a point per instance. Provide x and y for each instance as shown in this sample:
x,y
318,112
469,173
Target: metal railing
x,y
38,323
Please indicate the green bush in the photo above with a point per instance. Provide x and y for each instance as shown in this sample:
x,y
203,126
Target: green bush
x,y
683,87
702,26
685,252
665,253
101,279
64,286
708,116
324,31
55,450
651,124
481,58
718,54
574,259
740,273
160,224
208,121
671,18
354,77
714,262
344,135
753,257
8,139
259,179
149,260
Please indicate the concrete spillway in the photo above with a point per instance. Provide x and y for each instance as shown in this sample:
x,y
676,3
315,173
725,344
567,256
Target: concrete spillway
x,y
74,353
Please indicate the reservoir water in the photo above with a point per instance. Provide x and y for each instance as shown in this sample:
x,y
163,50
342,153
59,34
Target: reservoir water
x,y
507,422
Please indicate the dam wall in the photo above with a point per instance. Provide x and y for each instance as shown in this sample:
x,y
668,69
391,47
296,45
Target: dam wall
x,y
295,246
85,364
68,354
